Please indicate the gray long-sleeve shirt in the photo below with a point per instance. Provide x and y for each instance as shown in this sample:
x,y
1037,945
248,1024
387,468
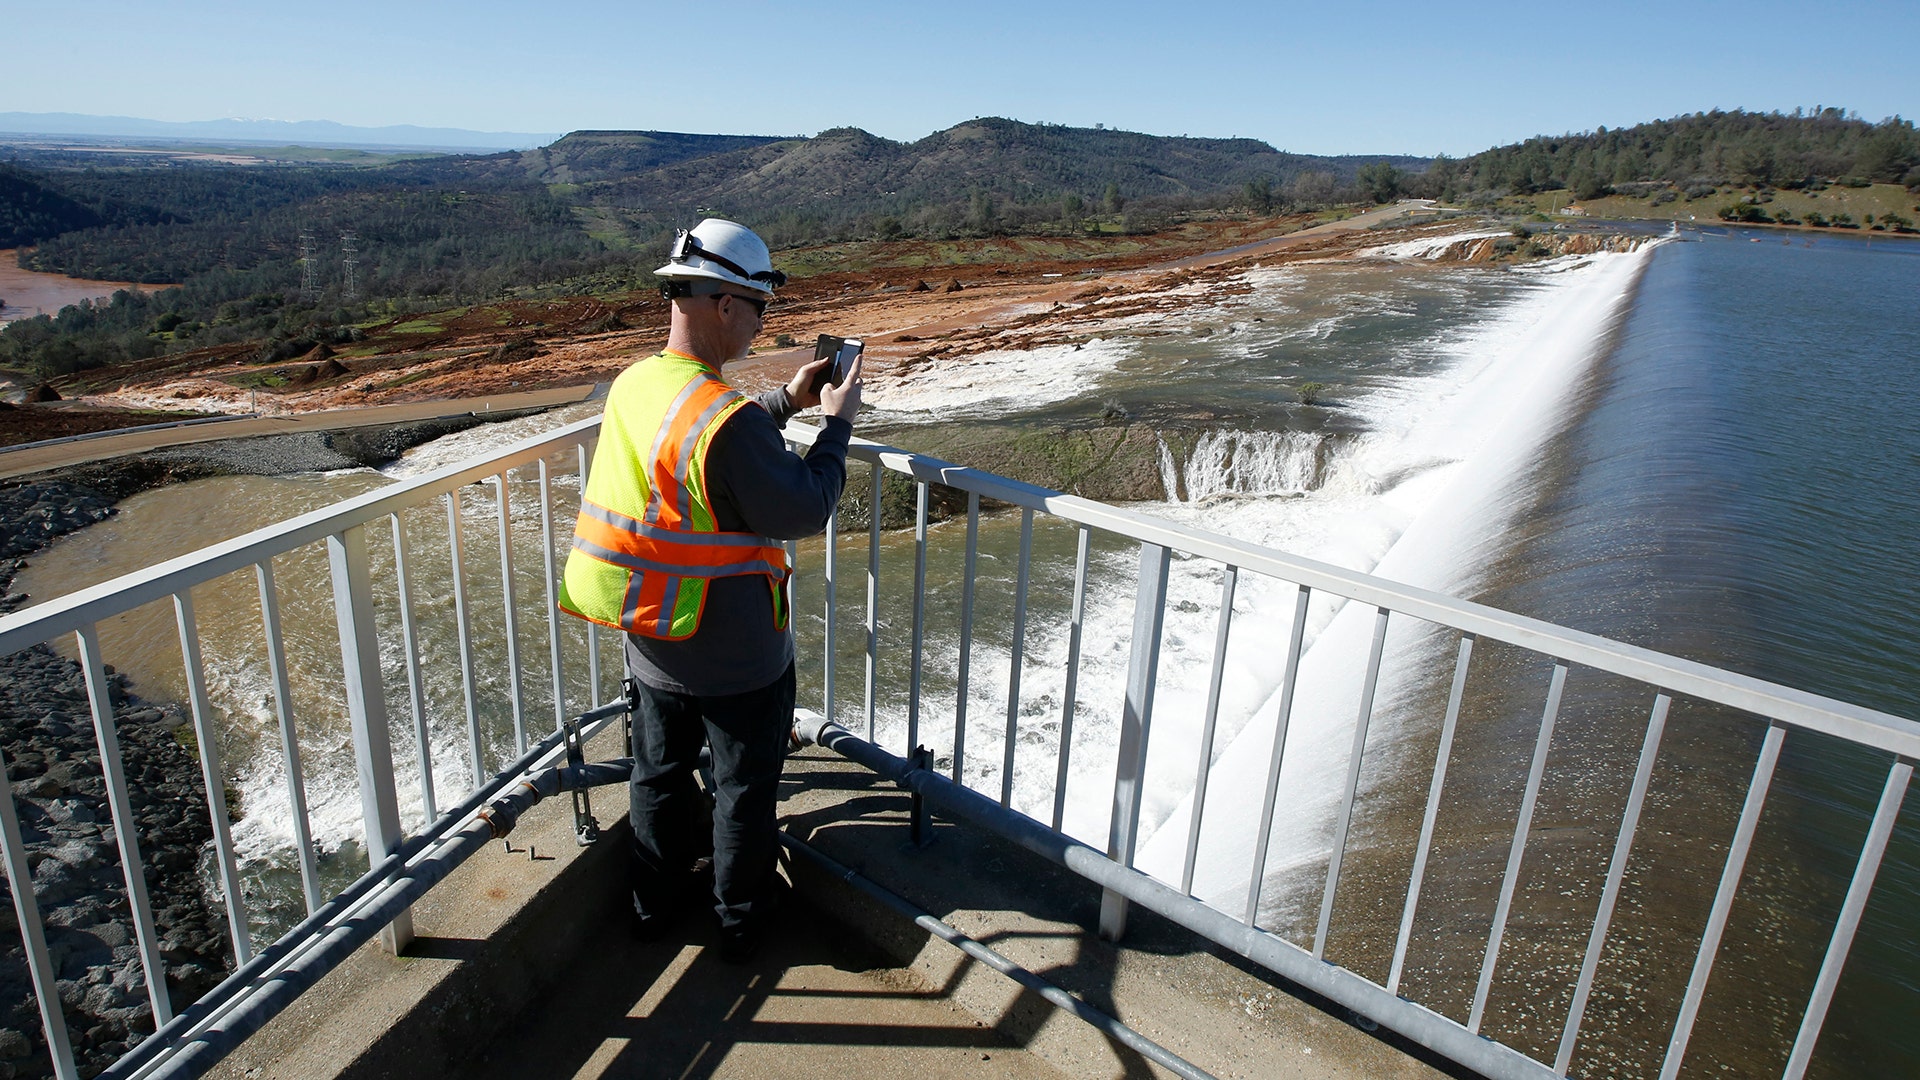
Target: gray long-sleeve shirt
x,y
757,485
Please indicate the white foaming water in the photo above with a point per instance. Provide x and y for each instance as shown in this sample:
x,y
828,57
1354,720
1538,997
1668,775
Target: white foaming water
x,y
1429,247
1245,463
993,384
1441,452
1413,498
461,445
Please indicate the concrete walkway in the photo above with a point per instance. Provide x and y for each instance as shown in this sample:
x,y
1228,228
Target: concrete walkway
x,y
523,967
806,1006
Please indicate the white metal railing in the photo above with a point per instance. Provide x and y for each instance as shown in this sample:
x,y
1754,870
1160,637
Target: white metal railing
x,y
344,531
1665,677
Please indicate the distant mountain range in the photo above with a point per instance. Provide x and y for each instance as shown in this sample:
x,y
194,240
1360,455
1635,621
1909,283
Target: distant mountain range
x,y
324,133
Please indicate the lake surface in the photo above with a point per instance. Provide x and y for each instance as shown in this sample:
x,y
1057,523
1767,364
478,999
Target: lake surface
x,y
27,293
1709,448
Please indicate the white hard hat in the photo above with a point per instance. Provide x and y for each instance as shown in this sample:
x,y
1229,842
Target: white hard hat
x,y
723,251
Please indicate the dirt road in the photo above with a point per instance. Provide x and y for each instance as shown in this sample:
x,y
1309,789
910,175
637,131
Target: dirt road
x,y
33,459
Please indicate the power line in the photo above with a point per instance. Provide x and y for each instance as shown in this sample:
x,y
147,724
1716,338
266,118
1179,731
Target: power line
x,y
347,252
309,271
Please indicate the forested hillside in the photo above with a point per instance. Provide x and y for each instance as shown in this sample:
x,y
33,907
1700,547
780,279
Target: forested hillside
x,y
30,210
1701,150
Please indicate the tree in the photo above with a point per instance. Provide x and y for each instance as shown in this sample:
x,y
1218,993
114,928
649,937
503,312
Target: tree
x,y
1380,180
1585,185
1313,188
1111,200
1260,195
980,215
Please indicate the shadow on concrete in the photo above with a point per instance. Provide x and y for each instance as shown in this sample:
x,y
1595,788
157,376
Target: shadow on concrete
x,y
804,1006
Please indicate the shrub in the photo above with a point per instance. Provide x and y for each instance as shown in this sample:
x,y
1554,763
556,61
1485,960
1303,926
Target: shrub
x,y
1312,393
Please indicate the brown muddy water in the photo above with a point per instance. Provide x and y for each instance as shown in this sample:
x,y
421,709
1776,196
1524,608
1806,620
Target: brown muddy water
x,y
27,293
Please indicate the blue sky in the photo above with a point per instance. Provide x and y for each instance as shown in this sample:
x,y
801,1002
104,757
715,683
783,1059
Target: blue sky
x,y
1357,77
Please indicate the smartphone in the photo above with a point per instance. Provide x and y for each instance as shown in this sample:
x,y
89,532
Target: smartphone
x,y
843,351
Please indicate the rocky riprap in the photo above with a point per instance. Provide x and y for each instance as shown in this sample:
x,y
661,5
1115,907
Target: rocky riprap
x,y
53,761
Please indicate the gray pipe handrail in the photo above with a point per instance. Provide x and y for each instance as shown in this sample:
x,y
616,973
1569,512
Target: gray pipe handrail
x,y
257,991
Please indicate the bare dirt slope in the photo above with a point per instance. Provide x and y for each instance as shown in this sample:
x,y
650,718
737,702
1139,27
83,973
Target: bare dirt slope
x,y
913,301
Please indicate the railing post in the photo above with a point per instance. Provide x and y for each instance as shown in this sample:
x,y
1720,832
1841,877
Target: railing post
x,y
33,933
367,707
829,569
1143,663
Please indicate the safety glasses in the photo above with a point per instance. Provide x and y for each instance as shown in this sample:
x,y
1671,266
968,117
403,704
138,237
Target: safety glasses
x,y
759,302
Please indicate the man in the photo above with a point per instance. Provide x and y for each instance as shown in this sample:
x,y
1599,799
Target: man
x,y
677,543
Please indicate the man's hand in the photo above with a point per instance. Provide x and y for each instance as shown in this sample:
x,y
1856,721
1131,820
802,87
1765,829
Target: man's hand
x,y
800,389
842,401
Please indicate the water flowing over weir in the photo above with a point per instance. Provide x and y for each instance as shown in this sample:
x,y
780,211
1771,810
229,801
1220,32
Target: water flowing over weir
x,y
1443,461
1246,463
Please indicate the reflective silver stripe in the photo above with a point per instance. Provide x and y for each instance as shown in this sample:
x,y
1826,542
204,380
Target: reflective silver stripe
x,y
693,440
658,532
630,606
669,600
660,442
634,562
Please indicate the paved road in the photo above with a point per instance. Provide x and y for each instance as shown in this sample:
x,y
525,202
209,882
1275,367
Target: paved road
x,y
21,461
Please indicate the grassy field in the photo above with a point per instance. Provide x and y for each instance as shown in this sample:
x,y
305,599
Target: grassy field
x,y
1877,200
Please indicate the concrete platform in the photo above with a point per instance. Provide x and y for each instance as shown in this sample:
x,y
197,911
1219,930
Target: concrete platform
x,y
524,968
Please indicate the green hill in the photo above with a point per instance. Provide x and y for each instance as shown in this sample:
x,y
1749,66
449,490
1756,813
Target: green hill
x,y
1697,150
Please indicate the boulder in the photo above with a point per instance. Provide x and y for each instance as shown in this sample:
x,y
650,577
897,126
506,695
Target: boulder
x,y
521,349
920,286
952,285
43,392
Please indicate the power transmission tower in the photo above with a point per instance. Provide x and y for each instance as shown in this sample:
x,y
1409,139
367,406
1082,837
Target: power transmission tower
x,y
309,284
347,252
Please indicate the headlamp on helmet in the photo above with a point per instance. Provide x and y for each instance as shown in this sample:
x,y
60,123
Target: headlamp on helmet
x,y
719,251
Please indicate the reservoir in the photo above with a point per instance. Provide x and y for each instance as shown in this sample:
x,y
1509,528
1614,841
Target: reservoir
x,y
1705,447
27,293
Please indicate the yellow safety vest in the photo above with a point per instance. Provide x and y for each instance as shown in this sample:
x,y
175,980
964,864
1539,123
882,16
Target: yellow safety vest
x,y
646,542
